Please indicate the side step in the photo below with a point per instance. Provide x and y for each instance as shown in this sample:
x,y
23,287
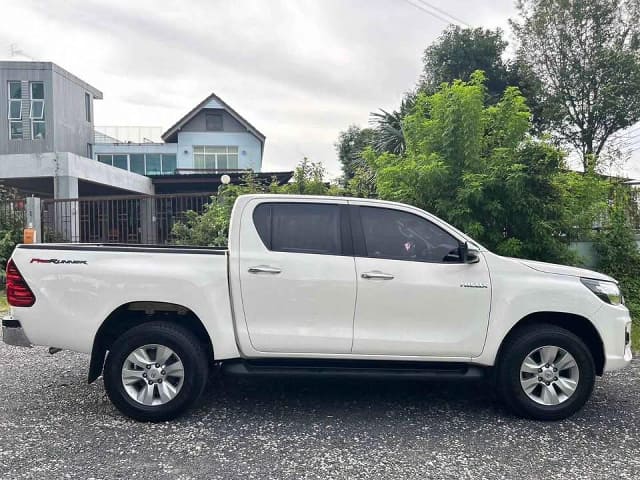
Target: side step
x,y
382,369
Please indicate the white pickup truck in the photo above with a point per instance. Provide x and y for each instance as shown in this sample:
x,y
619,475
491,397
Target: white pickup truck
x,y
320,285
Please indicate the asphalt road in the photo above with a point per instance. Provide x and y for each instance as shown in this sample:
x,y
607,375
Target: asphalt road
x,y
54,425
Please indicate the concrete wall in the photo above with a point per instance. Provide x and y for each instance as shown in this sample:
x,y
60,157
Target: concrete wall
x,y
63,168
249,147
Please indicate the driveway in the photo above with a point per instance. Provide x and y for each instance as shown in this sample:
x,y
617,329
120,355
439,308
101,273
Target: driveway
x,y
54,425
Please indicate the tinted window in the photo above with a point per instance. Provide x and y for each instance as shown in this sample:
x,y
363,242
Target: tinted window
x,y
398,235
299,227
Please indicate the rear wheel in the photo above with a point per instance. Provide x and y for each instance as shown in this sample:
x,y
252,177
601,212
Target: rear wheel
x,y
545,372
155,371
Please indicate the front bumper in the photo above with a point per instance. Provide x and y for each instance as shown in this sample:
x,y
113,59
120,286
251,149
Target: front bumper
x,y
13,334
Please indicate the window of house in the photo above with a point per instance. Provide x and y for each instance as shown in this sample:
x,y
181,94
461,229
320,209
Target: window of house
x,y
136,163
121,161
213,157
108,159
15,110
213,122
36,111
169,164
153,164
89,150
299,227
87,106
398,235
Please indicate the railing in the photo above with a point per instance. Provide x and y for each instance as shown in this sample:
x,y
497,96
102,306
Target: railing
x,y
118,219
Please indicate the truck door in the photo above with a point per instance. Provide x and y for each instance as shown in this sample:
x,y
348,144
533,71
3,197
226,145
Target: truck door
x,y
415,295
297,276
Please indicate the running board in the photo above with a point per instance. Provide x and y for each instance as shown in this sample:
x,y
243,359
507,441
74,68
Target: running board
x,y
353,369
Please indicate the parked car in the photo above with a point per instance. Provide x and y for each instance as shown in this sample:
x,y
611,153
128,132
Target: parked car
x,y
320,286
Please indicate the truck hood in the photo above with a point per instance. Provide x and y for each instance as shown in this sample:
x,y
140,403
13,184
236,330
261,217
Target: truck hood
x,y
565,270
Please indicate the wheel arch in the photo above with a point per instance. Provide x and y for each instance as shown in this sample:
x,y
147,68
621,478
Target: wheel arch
x,y
132,314
580,326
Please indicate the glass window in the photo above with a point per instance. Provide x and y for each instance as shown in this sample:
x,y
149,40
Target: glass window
x,y
120,161
397,235
168,164
37,90
37,109
108,159
87,106
15,110
299,227
222,162
15,90
153,164
136,163
15,130
213,121
15,104
215,157
37,130
89,150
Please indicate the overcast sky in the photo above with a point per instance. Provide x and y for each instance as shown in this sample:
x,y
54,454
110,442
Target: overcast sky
x,y
299,70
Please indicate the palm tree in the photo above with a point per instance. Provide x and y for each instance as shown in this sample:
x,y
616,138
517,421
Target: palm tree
x,y
389,135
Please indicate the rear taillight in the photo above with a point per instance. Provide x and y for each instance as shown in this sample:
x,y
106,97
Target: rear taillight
x,y
18,292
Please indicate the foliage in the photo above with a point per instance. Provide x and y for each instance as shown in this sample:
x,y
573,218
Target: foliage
x,y
388,127
459,52
476,167
586,54
308,179
211,228
617,252
11,224
350,145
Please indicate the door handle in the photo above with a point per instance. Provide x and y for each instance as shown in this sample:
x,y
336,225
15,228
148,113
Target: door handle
x,y
375,275
264,269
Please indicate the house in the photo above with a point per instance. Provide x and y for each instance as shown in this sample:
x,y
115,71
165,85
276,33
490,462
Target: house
x,y
49,146
94,186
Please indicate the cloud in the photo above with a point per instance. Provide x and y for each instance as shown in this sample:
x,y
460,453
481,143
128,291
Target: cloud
x,y
300,70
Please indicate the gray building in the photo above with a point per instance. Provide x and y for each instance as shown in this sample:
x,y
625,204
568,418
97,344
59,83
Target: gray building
x,y
46,109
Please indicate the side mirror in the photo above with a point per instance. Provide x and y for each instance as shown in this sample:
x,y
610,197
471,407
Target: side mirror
x,y
469,254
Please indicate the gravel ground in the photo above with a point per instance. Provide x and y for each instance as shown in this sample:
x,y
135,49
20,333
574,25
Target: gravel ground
x,y
54,425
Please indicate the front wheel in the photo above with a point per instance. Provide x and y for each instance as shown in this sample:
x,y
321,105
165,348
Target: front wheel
x,y
155,371
545,372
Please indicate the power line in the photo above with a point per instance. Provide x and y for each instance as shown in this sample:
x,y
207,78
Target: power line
x,y
424,2
435,14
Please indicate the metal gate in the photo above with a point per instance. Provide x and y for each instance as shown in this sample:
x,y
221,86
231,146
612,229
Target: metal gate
x,y
133,219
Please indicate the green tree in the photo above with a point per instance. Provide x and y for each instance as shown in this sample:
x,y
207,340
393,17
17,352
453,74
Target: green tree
x,y
459,52
349,147
477,167
308,179
617,252
388,133
586,54
211,228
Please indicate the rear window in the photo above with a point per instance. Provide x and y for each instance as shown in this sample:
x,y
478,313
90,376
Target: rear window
x,y
299,227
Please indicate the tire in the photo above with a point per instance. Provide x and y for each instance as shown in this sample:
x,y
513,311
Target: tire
x,y
528,388
175,385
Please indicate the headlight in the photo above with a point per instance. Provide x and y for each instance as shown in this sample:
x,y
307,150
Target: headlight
x,y
606,291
